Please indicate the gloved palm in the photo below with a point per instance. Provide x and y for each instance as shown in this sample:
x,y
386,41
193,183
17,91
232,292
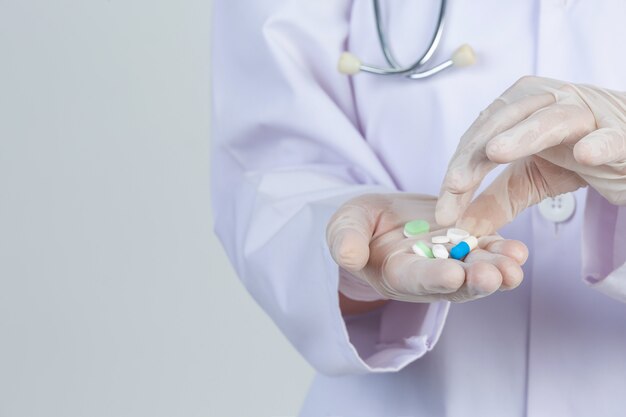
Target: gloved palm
x,y
365,237
557,136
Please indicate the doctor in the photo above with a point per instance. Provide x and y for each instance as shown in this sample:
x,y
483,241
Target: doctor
x,y
310,164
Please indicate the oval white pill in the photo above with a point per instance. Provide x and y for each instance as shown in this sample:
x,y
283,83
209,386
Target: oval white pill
x,y
457,235
440,251
440,239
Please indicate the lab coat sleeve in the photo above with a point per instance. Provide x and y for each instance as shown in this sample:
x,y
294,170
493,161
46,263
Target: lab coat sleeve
x,y
287,152
604,246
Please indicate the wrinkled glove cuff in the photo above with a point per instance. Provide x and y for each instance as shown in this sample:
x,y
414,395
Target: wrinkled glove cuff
x,y
357,289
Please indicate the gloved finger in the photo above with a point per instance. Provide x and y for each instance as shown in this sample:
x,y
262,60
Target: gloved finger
x,y
511,272
484,274
449,205
348,236
410,277
548,127
513,249
524,183
416,279
481,280
601,147
531,85
469,165
605,179
470,156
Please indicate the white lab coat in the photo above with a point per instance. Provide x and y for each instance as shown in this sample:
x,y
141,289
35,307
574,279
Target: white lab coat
x,y
294,139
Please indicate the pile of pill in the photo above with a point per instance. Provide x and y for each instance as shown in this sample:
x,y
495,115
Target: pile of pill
x,y
463,242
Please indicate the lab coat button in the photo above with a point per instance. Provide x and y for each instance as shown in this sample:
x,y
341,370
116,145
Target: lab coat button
x,y
559,208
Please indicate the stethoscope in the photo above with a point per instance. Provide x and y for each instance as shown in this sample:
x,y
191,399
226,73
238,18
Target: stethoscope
x,y
464,56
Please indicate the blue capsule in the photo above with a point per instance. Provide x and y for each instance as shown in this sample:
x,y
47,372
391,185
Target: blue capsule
x,y
460,251
464,247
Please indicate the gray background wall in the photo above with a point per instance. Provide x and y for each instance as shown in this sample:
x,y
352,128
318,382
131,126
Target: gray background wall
x,y
115,298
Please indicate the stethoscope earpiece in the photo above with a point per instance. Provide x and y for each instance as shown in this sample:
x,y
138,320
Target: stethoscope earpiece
x,y
464,56
349,64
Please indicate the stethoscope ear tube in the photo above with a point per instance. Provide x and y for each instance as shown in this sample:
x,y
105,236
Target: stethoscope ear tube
x,y
463,56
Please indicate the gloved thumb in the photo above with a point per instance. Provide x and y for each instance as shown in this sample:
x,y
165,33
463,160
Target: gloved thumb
x,y
523,184
348,235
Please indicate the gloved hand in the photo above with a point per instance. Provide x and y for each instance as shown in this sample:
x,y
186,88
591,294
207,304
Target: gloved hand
x,y
557,136
365,237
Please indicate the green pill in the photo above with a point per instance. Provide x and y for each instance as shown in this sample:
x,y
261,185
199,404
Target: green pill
x,y
416,227
422,249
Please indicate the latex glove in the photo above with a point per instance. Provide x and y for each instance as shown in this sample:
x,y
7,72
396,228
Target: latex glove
x,y
365,237
557,136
